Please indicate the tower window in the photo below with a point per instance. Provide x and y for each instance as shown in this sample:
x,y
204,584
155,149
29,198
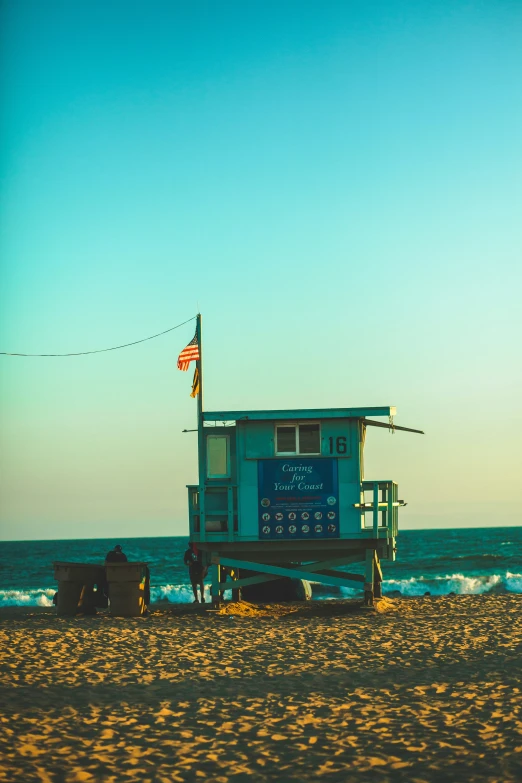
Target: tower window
x,y
298,439
218,456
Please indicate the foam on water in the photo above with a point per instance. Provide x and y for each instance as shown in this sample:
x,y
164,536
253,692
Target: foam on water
x,y
461,561
514,582
456,583
43,597
415,586
437,585
174,594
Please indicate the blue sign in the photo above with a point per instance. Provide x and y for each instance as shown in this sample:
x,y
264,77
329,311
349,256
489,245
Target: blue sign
x,y
298,498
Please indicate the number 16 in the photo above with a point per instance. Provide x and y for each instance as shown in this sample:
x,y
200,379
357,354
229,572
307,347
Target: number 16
x,y
340,445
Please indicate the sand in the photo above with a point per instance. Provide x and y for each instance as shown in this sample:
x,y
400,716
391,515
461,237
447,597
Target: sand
x,y
425,689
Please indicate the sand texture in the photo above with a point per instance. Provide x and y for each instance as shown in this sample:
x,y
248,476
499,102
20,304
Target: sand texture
x,y
426,689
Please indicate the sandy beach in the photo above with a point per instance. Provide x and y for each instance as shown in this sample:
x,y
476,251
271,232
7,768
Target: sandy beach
x,y
424,689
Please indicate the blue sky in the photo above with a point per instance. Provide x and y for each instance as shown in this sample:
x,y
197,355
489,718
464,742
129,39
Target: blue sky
x,y
336,185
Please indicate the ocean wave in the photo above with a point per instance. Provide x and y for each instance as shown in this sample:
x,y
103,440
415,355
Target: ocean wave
x,y
514,583
460,584
480,559
172,594
44,596
457,583
36,597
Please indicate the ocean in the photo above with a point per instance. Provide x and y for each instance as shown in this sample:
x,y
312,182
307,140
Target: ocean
x,y
467,561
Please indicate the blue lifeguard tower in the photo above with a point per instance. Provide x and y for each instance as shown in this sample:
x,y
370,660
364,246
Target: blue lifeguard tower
x,y
282,493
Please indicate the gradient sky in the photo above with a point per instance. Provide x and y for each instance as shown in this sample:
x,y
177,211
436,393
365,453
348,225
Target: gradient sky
x,y
336,185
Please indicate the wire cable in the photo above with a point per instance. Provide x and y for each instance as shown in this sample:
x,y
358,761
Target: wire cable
x,y
102,350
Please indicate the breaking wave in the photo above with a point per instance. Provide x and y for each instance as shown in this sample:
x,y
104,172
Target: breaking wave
x,y
458,583
176,594
36,597
172,594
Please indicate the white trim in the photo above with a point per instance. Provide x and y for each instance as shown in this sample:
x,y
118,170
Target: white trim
x,y
297,452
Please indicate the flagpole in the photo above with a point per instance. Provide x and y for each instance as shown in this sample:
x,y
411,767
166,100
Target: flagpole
x,y
201,438
199,366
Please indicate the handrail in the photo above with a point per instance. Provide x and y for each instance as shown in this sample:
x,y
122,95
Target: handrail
x,y
387,508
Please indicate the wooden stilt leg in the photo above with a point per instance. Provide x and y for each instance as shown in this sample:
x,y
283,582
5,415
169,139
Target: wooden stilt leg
x,y
369,577
236,592
377,580
215,583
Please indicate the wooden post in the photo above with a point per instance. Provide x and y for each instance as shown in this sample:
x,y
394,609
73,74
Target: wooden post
x,y
377,581
216,574
376,509
369,577
236,592
230,512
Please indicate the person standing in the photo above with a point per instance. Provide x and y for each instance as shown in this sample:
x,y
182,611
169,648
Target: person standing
x,y
116,555
197,572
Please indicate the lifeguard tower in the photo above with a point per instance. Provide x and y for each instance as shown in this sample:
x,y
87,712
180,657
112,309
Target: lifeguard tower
x,y
282,493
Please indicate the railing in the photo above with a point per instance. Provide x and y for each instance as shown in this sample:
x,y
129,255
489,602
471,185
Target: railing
x,y
218,510
384,509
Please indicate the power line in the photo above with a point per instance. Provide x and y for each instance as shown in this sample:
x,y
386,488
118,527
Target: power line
x,y
102,350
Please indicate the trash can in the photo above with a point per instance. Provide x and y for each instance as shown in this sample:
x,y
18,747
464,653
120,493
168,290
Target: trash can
x,y
128,588
76,583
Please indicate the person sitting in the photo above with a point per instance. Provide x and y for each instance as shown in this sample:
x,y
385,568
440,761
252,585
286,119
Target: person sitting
x,y
197,572
116,555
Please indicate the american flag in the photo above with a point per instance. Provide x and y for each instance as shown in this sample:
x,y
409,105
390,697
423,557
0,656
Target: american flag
x,y
189,354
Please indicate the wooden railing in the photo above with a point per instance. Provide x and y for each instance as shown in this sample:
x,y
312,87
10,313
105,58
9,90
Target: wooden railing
x,y
384,509
219,510
217,507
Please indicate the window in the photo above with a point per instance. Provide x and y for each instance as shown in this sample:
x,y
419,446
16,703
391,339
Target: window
x,y
309,439
218,461
286,440
298,439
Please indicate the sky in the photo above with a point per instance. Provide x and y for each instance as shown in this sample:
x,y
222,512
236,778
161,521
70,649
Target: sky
x,y
335,185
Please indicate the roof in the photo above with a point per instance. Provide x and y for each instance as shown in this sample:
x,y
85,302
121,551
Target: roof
x,y
306,413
